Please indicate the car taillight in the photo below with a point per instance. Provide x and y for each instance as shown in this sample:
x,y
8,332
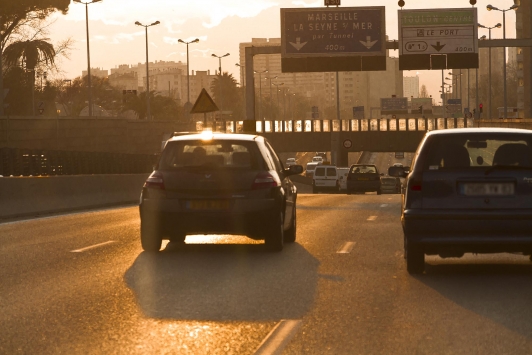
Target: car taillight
x,y
155,181
415,186
265,181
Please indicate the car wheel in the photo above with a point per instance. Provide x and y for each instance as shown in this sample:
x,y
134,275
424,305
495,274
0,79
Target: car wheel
x,y
314,189
150,237
379,192
275,239
349,192
415,258
290,234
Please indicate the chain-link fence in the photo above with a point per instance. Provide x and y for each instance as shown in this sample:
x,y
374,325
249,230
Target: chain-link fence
x,y
34,162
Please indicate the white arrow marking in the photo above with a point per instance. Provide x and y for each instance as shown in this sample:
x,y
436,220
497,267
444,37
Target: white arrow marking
x,y
298,45
368,44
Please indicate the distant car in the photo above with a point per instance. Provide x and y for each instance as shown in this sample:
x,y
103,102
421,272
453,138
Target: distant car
x,y
363,178
221,184
325,178
317,159
390,185
469,191
342,178
290,161
309,171
398,164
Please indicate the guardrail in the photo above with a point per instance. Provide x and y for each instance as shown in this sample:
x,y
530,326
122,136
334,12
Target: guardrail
x,y
361,125
33,162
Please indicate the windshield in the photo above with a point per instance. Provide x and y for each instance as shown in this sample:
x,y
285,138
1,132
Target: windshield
x,y
479,150
363,169
219,154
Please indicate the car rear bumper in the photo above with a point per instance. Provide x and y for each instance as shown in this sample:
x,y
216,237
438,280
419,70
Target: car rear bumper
x,y
246,217
470,231
365,186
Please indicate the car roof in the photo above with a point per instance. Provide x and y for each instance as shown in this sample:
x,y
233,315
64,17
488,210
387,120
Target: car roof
x,y
217,136
452,131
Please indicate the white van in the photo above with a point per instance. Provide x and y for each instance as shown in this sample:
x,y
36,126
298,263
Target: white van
x,y
342,178
325,178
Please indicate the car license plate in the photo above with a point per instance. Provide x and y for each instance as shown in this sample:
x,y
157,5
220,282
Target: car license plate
x,y
207,205
363,179
488,189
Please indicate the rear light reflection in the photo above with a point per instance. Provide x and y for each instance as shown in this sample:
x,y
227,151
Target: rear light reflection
x,y
155,181
265,181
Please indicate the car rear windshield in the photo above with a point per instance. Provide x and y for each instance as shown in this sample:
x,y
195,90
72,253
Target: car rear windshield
x,y
389,181
479,150
364,169
213,153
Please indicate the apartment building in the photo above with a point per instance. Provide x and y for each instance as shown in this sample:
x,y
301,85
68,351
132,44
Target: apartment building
x,y
411,86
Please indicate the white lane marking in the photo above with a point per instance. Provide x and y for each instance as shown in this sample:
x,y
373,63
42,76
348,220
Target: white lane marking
x,y
279,337
92,247
384,205
389,198
346,249
372,218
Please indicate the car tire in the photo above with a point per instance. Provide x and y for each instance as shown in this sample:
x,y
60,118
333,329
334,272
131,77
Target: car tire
x,y
415,258
150,237
275,239
349,192
290,234
379,192
314,189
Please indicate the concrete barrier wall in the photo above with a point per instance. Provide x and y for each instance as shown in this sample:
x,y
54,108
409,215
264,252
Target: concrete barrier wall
x,y
26,196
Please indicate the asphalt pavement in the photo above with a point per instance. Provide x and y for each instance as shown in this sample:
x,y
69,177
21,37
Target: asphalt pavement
x,y
80,284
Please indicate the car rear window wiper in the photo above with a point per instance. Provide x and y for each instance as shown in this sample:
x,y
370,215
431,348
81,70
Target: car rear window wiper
x,y
506,167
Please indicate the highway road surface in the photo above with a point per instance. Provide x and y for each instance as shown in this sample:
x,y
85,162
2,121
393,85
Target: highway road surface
x,y
80,284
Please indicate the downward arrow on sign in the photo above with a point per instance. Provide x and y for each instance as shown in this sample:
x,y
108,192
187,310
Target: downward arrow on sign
x,y
438,47
369,43
298,45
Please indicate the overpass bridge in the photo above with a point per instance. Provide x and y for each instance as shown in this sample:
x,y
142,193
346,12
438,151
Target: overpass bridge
x,y
355,135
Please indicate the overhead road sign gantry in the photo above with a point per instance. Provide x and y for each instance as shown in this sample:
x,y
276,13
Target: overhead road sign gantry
x,y
438,39
391,105
333,39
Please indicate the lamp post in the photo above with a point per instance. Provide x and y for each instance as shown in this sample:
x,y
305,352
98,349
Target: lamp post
x,y
260,91
148,113
270,78
489,66
277,89
514,7
220,81
86,3
188,71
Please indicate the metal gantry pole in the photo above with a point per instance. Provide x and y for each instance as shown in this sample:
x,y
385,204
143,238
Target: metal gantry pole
x,y
148,113
188,77
489,78
89,83
476,94
504,63
443,94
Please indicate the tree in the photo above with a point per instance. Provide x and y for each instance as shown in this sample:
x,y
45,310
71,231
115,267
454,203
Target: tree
x,y
31,53
423,93
15,14
161,107
232,99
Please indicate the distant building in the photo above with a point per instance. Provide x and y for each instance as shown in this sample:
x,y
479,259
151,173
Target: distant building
x,y
125,81
157,67
101,73
411,86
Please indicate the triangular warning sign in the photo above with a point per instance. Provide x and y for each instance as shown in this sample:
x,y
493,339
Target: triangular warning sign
x,y
204,103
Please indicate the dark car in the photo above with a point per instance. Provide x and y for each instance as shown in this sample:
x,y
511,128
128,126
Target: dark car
x,y
363,178
219,184
469,191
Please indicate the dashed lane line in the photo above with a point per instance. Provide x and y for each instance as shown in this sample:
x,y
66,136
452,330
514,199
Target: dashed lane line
x,y
346,248
279,337
372,218
92,247
384,205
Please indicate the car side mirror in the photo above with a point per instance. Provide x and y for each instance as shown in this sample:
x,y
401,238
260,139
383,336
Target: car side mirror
x,y
397,171
293,170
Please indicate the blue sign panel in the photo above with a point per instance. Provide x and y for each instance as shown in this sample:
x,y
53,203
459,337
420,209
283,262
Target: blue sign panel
x,y
454,102
331,32
394,104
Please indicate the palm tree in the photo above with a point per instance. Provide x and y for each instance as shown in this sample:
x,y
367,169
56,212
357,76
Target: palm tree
x,y
31,53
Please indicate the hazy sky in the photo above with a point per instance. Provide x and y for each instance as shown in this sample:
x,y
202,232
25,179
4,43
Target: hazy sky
x,y
219,24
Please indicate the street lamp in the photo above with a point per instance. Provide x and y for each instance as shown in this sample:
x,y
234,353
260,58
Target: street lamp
x,y
86,3
513,7
270,78
489,64
242,81
260,91
148,113
277,89
220,81
188,71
